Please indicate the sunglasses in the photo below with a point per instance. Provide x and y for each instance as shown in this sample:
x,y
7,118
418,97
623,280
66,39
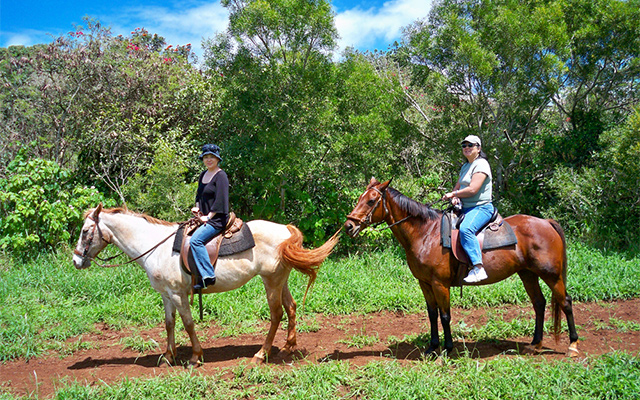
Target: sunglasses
x,y
465,145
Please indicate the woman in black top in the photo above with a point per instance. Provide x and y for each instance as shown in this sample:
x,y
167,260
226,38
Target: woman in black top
x,y
212,204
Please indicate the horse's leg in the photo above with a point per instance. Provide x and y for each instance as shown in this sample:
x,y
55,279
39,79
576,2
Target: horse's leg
x,y
532,286
181,301
170,324
443,298
290,309
432,310
564,301
274,298
567,308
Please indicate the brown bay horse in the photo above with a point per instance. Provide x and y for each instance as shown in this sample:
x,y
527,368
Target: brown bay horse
x,y
539,254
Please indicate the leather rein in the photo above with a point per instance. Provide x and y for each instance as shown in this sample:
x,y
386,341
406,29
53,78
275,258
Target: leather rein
x,y
367,218
193,220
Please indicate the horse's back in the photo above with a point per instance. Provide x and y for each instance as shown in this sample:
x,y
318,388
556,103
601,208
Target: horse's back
x,y
268,233
538,238
530,225
235,270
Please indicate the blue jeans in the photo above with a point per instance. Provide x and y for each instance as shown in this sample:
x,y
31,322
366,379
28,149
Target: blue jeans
x,y
474,219
199,239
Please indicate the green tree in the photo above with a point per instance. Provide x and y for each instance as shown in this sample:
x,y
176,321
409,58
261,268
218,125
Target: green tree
x,y
601,203
161,190
275,102
300,132
538,81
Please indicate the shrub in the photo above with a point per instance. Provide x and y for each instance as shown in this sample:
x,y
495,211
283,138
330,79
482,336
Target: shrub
x,y
40,205
161,191
601,203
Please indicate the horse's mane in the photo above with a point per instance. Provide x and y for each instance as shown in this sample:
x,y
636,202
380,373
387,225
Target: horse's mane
x,y
412,207
121,210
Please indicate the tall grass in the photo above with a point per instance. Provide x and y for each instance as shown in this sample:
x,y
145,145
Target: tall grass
x,y
46,301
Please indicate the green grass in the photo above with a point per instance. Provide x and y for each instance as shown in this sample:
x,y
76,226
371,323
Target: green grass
x,y
614,376
361,339
47,301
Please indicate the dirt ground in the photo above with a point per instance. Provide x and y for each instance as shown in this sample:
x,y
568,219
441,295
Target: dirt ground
x,y
601,327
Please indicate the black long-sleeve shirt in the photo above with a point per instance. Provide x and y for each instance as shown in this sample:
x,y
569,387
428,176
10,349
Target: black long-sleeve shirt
x,y
213,197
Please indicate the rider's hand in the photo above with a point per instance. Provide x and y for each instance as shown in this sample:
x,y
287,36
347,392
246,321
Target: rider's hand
x,y
448,196
451,197
196,211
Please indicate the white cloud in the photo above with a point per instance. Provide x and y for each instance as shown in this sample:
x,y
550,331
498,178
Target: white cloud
x,y
20,39
27,37
378,28
375,27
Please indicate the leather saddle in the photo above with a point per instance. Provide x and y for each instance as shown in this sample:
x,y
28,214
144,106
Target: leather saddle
x,y
494,234
236,237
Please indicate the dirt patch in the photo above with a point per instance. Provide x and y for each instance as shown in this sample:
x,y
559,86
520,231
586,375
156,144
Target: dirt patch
x,y
359,339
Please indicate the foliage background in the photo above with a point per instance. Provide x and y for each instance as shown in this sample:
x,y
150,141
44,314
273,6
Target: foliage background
x,y
551,87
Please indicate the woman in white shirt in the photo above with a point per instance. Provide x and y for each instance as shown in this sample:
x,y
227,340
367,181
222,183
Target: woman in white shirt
x,y
473,190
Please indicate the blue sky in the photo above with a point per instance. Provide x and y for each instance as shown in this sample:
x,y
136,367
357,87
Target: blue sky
x,y
365,25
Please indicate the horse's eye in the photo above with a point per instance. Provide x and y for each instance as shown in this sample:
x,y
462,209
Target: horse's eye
x,y
371,202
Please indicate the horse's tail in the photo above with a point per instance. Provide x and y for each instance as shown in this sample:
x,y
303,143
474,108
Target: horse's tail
x,y
555,305
293,255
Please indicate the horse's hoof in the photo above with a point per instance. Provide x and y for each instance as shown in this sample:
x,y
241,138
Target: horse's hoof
x,y
538,349
196,361
573,350
573,353
164,362
431,353
287,351
258,359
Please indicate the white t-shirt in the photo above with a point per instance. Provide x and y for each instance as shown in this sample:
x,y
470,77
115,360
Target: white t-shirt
x,y
484,194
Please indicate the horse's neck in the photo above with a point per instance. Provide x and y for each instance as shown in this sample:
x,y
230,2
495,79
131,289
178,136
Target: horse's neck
x,y
134,235
411,230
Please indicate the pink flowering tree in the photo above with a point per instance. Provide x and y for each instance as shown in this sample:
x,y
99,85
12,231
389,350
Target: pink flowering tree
x,y
91,101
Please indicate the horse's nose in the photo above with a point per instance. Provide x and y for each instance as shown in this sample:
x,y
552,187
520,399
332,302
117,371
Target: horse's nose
x,y
349,228
79,262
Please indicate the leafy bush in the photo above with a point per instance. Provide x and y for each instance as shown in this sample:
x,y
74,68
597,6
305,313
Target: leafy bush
x,y
601,203
40,205
161,191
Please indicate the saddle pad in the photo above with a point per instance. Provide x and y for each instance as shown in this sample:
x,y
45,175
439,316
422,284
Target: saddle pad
x,y
240,241
177,241
502,236
445,231
493,239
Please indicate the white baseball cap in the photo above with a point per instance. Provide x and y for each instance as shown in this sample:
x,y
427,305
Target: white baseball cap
x,y
473,139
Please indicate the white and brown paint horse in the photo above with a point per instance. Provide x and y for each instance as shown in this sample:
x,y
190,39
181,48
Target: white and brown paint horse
x,y
278,249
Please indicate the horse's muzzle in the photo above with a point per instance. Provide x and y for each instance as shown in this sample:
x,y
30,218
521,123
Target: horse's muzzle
x,y
352,228
80,262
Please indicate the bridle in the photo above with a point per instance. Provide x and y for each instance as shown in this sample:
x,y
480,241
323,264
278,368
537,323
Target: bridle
x,y
195,221
366,220
96,226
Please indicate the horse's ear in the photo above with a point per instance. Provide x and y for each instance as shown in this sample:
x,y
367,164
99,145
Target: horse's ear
x,y
372,182
96,212
385,185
